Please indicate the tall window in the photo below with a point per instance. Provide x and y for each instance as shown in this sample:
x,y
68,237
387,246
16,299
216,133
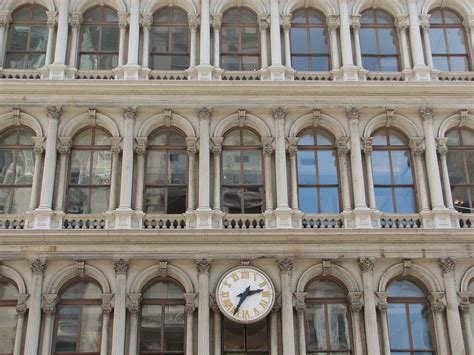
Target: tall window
x,y
409,320
166,172
79,319
250,339
170,40
327,323
242,180
318,180
100,37
392,172
460,160
240,47
162,319
8,314
448,41
89,172
309,41
16,170
28,38
379,42
471,301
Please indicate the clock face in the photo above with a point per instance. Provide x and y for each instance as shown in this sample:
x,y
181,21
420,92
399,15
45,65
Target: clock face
x,y
245,295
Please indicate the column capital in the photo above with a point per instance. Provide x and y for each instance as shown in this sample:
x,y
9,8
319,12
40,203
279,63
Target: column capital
x,y
292,145
49,303
469,22
115,145
280,113
366,264
267,145
425,22
447,264
54,112
367,145
355,22
342,146
141,145
21,306
107,305
285,265
217,21
75,19
123,19
382,305
133,305
217,145
442,145
300,304
286,22
213,303
464,304
146,20
38,266
203,266
355,301
121,266
277,304
353,113
5,18
130,113
436,300
190,303
332,22
402,22
204,113
193,21
427,114
417,145
38,147
52,18
64,145
263,23
191,145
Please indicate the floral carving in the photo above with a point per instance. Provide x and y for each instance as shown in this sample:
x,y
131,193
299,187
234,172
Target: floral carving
x,y
447,264
121,266
203,266
37,266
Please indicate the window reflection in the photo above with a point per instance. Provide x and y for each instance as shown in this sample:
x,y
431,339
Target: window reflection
x,y
8,316
245,339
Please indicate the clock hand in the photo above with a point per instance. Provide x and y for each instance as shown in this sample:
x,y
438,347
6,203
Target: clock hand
x,y
242,297
253,292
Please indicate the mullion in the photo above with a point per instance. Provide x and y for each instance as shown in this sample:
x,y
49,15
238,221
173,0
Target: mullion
x,y
162,322
410,334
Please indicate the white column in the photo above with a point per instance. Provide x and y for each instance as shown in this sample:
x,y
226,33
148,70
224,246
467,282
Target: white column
x,y
355,306
353,115
217,329
63,32
415,36
274,328
332,23
370,315
204,68
203,266
76,21
4,21
288,328
51,29
300,307
217,152
383,306
34,312
417,146
342,151
147,20
189,309
277,70
425,28
293,151
402,25
49,309
465,309
443,152
134,310
286,24
355,23
263,27
368,149
120,303
106,310
193,26
64,149
129,115
115,149
204,212
134,32
469,24
279,115
438,306
217,25
123,23
140,151
350,71
456,340
35,187
21,309
267,146
192,150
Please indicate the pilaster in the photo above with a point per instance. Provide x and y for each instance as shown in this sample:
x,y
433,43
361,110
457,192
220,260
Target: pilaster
x,y
203,267
286,266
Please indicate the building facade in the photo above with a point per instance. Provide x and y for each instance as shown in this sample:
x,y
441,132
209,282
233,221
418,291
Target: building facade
x,y
236,177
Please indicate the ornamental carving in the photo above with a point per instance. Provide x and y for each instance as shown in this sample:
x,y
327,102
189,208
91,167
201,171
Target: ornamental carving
x,y
326,267
285,265
75,19
4,18
81,268
107,303
442,145
217,21
355,22
332,22
382,305
37,266
286,22
353,113
277,304
134,300
203,266
465,307
191,145
54,112
204,113
263,23
163,268
447,264
49,304
38,148
52,18
121,266
217,145
425,22
267,146
342,146
123,19
406,267
21,309
427,114
367,145
280,113
355,301
190,305
146,20
292,145
193,21
141,145
417,146
436,300
64,145
130,112
402,23
463,116
115,145
366,264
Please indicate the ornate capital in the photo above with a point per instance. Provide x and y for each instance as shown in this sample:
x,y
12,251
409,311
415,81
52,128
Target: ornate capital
x,y
121,266
204,113
427,114
115,145
38,148
130,113
367,145
191,145
436,300
217,145
134,300
355,301
107,305
190,305
263,23
402,22
447,264
54,112
203,266
21,307
425,22
292,145
52,21
464,304
37,267
64,145
277,305
4,18
442,145
280,113
382,305
141,145
417,145
123,19
193,21
355,22
300,304
75,19
49,303
469,22
353,113
267,145
147,20
332,22
342,146
366,264
286,22
213,303
285,265
217,21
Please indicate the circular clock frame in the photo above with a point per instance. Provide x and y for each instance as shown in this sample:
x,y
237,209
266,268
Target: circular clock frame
x,y
264,314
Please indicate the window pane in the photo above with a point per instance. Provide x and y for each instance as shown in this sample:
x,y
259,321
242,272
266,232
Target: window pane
x,y
388,41
84,138
6,195
381,168
437,41
306,167
459,64
178,162
180,40
80,167
179,62
160,40
388,64
405,200
156,167
470,165
90,39
8,291
161,62
398,326
308,199
467,137
329,197
253,200
92,15
450,17
436,17
68,326
90,328
108,61
315,327
9,137
380,139
461,199
155,200
88,62
338,326
231,167
163,15
77,200
441,63
250,63
233,138
249,41
7,170
101,168
456,40
25,166
249,138
7,329
299,17
370,63
82,290
163,290
16,61
179,16
319,42
252,164
232,200
300,63
150,329
384,199
19,37
306,139
383,18
257,337
368,41
23,13
457,174
158,139
325,289
21,200
99,200
234,336
176,200
419,314
174,328
247,16
299,40
327,167
230,40
401,166
110,15
404,288
320,64
230,63
110,39
39,38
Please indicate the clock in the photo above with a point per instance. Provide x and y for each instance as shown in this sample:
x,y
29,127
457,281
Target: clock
x,y
245,294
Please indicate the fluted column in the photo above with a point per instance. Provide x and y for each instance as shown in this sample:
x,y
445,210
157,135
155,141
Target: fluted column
x,y
123,23
216,25
193,21
342,145
204,115
353,115
203,266
133,307
286,25
106,310
425,29
189,310
64,149
292,152
49,309
452,311
465,309
370,316
417,146
216,153
355,23
438,306
355,307
300,307
35,187
34,313
62,34
140,151
333,24
4,22
191,144
129,115
146,21
51,30
120,303
443,152
75,21
115,149
288,328
217,326
267,145
383,307
263,27
402,25
279,115
21,309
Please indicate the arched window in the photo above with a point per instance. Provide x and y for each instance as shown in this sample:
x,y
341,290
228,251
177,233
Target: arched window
x,y
100,37
448,41
170,40
409,320
327,322
318,178
460,160
392,172
17,165
379,41
242,173
240,44
8,315
89,172
245,339
162,319
79,319
470,289
166,176
309,41
28,38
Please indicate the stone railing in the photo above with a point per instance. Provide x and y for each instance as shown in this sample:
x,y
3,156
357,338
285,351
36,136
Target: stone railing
x,y
384,76
401,221
313,76
168,75
156,221
322,221
12,222
95,75
240,75
466,220
76,221
24,74
456,76
243,221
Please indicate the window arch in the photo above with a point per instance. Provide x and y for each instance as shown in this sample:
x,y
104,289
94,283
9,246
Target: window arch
x,y
79,319
379,41
28,38
318,173
170,40
17,164
240,44
89,172
163,322
448,41
409,320
166,176
100,37
8,315
309,41
392,172
460,160
327,320
242,173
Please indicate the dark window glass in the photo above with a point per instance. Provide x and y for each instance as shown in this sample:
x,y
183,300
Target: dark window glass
x,y
392,173
318,173
460,160
8,316
242,172
309,41
379,42
28,38
166,175
240,42
448,40
251,339
100,36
